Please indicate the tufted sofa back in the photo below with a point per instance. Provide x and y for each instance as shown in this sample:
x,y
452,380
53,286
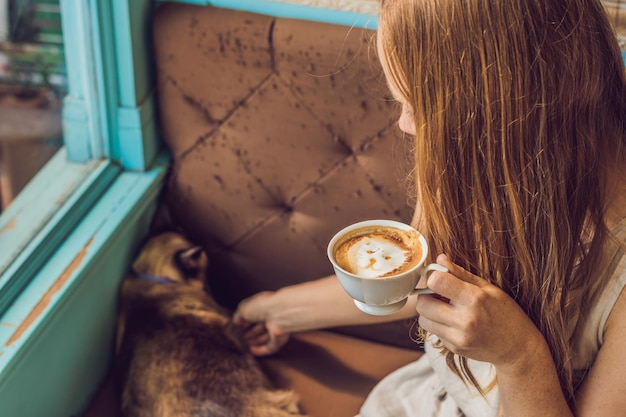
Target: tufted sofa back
x,y
282,132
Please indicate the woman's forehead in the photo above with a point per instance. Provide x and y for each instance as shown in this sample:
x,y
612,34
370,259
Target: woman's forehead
x,y
393,88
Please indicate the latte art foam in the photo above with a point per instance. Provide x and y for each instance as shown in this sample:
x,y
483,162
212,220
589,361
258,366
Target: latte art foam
x,y
378,252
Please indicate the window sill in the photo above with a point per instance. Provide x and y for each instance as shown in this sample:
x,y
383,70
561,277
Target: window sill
x,y
56,339
43,215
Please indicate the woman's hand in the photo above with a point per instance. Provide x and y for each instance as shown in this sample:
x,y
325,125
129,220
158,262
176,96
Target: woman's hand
x,y
476,319
263,335
270,317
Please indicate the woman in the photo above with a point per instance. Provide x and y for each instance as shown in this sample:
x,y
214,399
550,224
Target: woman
x,y
518,109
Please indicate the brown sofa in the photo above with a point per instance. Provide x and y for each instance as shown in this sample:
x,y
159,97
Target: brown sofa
x,y
281,133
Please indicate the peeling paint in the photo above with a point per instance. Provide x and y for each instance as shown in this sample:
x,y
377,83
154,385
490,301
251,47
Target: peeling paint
x,y
43,303
9,226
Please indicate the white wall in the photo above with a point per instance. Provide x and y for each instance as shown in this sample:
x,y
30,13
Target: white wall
x,y
357,6
4,19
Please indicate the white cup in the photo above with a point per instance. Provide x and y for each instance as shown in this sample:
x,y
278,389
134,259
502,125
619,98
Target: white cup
x,y
384,295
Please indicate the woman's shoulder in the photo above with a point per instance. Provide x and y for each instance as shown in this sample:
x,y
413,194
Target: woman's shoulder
x,y
589,330
616,213
615,262
608,369
615,276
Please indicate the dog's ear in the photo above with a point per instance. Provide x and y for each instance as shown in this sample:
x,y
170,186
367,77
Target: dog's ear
x,y
191,261
162,221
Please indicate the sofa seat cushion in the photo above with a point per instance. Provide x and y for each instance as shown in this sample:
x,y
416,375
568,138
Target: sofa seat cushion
x,y
333,373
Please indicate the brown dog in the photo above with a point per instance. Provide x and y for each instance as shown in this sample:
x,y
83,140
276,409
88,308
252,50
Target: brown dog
x,y
178,353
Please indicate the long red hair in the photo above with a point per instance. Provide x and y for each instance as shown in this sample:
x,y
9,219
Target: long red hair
x,y
520,110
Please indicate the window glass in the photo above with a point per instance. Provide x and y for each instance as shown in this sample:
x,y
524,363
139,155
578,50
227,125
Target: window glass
x,y
32,85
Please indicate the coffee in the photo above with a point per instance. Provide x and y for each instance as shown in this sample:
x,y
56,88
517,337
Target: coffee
x,y
378,251
380,263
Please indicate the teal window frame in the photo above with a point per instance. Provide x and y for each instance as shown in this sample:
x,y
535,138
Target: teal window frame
x,y
68,238
108,119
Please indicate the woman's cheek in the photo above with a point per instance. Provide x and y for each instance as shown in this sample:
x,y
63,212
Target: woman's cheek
x,y
406,123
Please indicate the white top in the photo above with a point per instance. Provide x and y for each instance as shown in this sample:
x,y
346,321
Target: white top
x,y
428,388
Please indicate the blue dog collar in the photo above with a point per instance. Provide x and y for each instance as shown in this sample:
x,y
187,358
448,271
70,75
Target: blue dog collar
x,y
154,278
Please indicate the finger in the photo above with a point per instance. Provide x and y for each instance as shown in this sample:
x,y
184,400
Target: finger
x,y
239,317
269,348
435,310
432,326
441,335
259,340
239,320
255,330
460,272
449,287
251,309
262,350
452,338
444,330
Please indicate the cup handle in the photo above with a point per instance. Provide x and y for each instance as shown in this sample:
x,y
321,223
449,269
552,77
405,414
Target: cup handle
x,y
428,268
